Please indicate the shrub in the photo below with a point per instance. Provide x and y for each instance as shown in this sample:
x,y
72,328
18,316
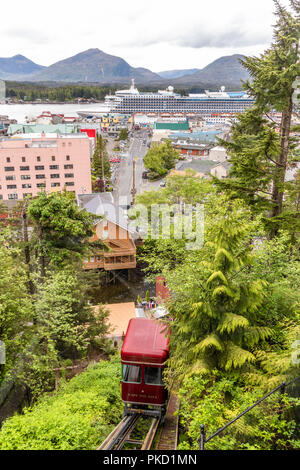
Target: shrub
x,y
78,416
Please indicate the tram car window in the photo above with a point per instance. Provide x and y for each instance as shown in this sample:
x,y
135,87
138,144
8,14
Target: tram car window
x,y
131,374
153,376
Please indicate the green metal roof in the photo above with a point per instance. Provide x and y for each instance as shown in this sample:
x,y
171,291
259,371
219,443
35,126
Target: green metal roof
x,y
173,126
31,128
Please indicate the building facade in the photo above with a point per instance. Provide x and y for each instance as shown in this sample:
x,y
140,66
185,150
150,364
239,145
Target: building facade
x,y
33,163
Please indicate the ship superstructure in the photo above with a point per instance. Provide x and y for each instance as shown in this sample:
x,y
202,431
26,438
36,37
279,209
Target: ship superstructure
x,y
167,101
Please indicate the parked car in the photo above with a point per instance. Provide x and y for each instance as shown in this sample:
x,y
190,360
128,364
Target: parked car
x,y
114,160
163,184
145,175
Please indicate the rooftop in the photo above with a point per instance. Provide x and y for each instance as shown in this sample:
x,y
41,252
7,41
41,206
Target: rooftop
x,y
119,317
102,204
201,166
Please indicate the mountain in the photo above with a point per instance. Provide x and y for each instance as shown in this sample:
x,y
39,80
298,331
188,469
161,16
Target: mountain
x,y
16,67
226,71
94,65
177,73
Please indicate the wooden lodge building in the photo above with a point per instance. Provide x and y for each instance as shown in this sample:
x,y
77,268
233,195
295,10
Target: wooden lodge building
x,y
112,229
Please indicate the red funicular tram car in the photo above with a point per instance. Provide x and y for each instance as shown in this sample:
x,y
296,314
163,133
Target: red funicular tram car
x,y
143,356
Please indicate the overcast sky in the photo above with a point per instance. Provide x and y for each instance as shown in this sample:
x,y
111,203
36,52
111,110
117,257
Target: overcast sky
x,y
156,34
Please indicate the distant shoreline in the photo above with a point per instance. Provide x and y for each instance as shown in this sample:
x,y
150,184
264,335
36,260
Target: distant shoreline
x,y
52,102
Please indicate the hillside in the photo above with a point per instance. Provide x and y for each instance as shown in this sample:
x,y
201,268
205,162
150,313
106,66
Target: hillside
x,y
94,65
177,73
18,66
226,71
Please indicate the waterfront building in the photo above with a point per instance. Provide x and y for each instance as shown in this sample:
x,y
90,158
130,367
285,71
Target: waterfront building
x,y
31,163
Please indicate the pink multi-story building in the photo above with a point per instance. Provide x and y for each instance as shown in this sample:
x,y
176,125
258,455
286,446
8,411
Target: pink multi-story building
x,y
30,163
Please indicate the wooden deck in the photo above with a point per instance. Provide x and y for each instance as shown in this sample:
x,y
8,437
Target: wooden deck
x,y
169,433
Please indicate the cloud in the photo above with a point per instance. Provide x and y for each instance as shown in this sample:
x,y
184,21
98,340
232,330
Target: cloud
x,y
235,37
27,35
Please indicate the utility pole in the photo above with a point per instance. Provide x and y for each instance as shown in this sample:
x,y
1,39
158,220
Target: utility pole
x,y
133,181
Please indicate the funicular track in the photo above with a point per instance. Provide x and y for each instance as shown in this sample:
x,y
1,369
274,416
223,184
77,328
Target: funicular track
x,y
122,432
167,436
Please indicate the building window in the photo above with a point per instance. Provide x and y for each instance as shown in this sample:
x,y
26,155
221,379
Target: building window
x,y
41,185
70,183
55,185
68,158
23,159
38,159
69,175
8,159
25,186
40,177
24,168
13,196
25,177
41,167
53,158
53,167
9,168
11,186
68,167
27,195
54,175
1,196
10,178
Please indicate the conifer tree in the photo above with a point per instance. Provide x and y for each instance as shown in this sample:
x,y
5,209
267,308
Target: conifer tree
x,y
219,330
100,162
260,150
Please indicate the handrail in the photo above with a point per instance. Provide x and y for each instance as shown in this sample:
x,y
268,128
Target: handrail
x,y
203,440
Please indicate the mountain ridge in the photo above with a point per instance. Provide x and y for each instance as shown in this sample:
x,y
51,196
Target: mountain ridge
x,y
95,66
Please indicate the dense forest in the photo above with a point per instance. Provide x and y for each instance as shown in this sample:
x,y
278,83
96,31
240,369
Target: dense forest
x,y
55,91
59,92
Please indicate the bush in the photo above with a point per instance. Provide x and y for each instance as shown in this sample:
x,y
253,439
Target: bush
x,y
216,400
78,416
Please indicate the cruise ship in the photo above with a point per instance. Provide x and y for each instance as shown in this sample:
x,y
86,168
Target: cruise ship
x,y
167,101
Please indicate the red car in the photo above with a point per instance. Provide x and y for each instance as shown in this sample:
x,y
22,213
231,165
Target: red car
x,y
114,160
143,356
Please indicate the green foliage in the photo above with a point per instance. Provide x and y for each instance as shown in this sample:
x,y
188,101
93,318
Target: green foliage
x,y
15,304
216,399
160,158
123,134
61,228
218,329
45,317
55,93
260,150
77,417
100,163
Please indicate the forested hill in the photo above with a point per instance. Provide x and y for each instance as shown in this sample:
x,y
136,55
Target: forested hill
x,y
226,71
94,65
17,66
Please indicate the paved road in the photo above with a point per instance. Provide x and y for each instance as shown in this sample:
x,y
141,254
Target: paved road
x,y
137,150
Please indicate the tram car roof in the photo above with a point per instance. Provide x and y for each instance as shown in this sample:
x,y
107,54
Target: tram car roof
x,y
146,342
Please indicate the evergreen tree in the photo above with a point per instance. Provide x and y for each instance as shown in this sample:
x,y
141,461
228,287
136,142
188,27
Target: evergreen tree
x,y
215,326
259,150
100,163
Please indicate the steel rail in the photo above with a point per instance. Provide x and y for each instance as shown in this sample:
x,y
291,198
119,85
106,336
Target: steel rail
x,y
126,434
115,434
151,434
